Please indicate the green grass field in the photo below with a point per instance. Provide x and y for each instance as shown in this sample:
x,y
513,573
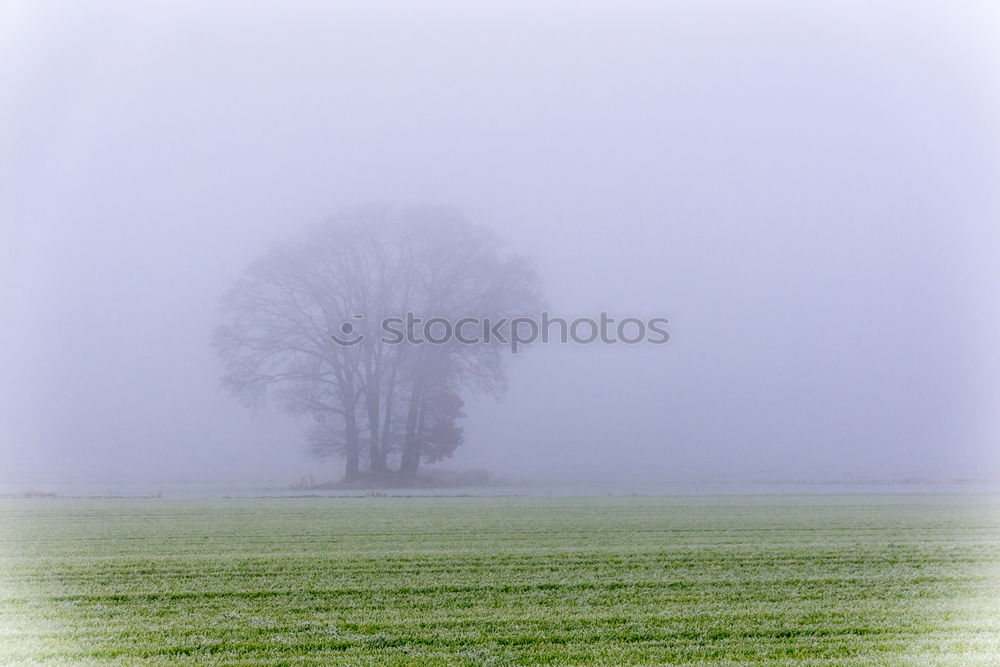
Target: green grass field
x,y
908,579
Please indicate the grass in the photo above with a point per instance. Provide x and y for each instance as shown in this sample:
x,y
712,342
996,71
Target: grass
x,y
611,580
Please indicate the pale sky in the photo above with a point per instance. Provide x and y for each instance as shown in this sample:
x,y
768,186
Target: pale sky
x,y
809,191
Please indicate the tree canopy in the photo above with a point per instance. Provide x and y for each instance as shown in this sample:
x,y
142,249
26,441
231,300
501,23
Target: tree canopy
x,y
382,407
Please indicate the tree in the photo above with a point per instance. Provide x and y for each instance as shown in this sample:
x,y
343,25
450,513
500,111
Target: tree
x,y
373,403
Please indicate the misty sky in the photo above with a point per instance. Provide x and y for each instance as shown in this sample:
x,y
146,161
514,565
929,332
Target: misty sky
x,y
807,190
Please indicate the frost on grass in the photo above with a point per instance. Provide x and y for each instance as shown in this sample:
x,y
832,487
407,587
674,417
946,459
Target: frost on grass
x,y
822,579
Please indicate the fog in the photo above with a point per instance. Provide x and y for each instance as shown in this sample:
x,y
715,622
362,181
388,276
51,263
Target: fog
x,y
807,191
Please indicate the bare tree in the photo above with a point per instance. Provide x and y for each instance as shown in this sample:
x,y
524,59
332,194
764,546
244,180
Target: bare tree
x,y
373,402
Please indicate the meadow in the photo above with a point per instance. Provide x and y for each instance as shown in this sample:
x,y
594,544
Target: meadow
x,y
816,579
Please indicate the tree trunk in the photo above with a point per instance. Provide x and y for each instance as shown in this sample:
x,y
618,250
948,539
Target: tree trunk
x,y
377,456
387,415
410,460
353,446
418,443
